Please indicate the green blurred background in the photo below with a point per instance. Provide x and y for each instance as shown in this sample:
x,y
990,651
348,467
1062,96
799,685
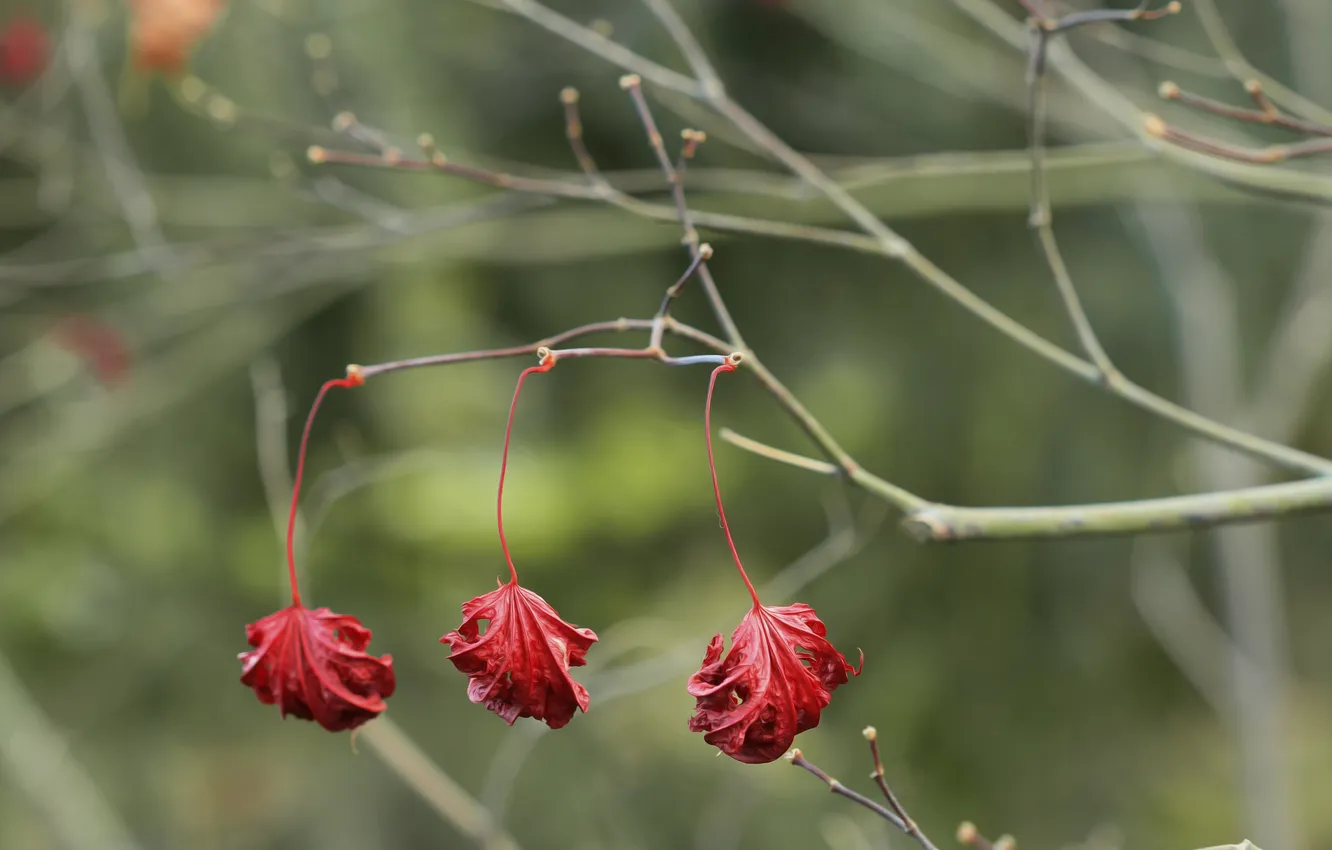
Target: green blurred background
x,y
1070,693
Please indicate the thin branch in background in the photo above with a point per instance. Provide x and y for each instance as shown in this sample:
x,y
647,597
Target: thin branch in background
x,y
1042,29
1267,113
449,800
126,179
890,244
573,131
1246,559
270,415
1223,43
38,761
633,84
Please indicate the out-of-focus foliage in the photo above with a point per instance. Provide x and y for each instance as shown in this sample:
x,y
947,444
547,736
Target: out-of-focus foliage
x,y
1012,684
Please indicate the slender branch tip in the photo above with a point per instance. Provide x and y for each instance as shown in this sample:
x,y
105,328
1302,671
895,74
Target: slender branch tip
x,y
870,733
966,832
1168,91
343,121
630,81
355,374
569,95
316,154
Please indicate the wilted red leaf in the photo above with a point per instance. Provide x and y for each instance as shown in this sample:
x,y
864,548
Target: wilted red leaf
x,y
163,33
24,51
517,652
313,664
772,685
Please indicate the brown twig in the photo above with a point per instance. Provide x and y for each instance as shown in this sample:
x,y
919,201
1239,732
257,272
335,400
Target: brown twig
x,y
908,825
798,759
1042,29
633,84
1267,113
894,812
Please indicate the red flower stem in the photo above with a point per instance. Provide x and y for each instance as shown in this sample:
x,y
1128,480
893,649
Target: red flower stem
x,y
728,366
353,379
547,363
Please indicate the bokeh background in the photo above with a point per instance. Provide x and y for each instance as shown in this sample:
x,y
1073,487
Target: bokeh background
x,y
177,280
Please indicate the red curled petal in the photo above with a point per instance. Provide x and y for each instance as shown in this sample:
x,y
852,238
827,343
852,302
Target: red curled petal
x,y
517,652
313,665
778,676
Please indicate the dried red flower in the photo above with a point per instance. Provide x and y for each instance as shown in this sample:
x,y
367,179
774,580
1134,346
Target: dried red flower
x,y
164,32
772,685
512,645
25,49
519,663
313,664
781,669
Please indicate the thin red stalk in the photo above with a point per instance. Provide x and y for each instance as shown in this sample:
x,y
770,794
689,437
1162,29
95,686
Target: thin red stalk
x,y
352,380
546,365
716,488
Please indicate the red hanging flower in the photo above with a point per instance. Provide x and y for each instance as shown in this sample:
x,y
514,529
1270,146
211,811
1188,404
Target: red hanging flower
x,y
313,664
781,670
518,663
24,51
772,685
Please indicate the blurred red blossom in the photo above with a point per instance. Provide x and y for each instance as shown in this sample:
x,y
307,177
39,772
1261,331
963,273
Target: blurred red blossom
x,y
101,345
25,49
163,33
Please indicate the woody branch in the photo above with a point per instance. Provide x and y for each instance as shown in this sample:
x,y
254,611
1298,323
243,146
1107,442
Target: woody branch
x,y
926,520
